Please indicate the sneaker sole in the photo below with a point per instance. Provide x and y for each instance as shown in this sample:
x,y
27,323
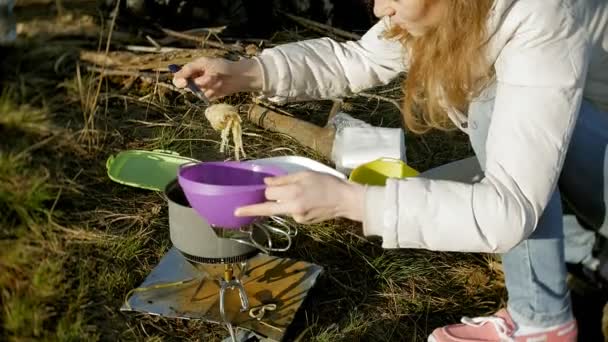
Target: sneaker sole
x,y
431,339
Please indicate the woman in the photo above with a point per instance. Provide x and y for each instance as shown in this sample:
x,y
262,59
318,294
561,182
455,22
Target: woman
x,y
526,79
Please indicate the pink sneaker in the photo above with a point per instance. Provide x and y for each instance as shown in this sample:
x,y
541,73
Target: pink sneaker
x,y
499,328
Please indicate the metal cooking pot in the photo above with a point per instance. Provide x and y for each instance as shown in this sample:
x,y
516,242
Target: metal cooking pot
x,y
199,242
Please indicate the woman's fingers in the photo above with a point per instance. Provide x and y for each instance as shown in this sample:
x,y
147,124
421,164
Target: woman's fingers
x,y
180,82
210,94
206,81
211,85
313,216
193,70
262,209
281,192
287,179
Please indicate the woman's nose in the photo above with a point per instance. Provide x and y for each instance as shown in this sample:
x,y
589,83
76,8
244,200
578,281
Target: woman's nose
x,y
383,8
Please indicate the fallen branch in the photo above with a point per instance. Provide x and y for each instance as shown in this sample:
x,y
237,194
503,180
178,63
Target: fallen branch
x,y
209,31
381,98
268,104
317,138
151,49
201,40
335,108
158,61
148,76
322,28
256,41
153,42
68,25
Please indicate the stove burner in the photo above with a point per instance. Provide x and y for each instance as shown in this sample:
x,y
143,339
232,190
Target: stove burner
x,y
226,260
228,281
200,243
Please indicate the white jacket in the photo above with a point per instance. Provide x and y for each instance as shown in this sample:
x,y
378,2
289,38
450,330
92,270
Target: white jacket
x,y
548,55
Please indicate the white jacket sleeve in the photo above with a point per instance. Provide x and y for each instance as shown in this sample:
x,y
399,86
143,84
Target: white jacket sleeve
x,y
540,78
323,68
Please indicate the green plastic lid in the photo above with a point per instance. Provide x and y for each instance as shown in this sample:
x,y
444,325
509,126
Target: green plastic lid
x,y
151,170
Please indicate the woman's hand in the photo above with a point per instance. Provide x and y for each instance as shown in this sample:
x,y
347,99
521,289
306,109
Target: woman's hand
x,y
218,77
309,197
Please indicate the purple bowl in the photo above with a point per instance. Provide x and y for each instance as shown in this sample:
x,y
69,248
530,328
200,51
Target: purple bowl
x,y
216,189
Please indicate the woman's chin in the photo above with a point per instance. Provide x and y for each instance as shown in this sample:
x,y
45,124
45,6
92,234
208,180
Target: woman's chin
x,y
413,31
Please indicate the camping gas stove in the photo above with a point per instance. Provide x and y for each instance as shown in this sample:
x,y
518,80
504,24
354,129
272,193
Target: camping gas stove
x,y
221,276
231,250
221,255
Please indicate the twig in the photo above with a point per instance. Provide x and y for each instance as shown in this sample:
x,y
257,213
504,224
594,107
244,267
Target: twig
x,y
259,101
336,106
208,30
159,108
90,121
153,42
203,41
36,146
322,28
151,124
150,77
390,90
138,48
111,72
359,237
344,286
152,61
257,41
189,139
172,87
381,98
308,329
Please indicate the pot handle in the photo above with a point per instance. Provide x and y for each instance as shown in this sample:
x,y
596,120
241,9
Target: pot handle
x,y
283,223
251,241
269,231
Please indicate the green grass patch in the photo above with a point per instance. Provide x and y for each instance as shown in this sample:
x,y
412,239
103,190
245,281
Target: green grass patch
x,y
22,117
24,191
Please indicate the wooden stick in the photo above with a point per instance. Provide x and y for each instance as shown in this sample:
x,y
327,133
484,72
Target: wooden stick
x,y
201,40
256,41
322,28
153,42
149,77
270,105
111,72
208,30
151,49
151,61
335,108
380,98
317,138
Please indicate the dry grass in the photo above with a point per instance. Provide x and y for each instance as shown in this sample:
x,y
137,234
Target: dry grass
x,y
73,243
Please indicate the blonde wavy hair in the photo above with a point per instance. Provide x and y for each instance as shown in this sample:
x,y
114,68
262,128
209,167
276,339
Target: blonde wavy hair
x,y
447,65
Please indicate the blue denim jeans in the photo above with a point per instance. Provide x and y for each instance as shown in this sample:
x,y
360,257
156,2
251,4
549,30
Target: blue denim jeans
x,y
535,270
